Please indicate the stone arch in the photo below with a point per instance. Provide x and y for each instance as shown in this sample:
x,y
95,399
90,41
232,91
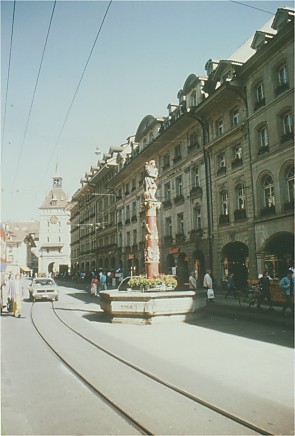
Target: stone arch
x,y
235,259
182,270
199,265
278,253
170,263
50,268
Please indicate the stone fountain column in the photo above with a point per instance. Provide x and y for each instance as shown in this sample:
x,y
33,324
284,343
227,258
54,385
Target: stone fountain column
x,y
151,204
152,252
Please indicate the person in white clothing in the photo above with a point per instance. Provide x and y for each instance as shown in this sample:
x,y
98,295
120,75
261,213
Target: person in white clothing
x,y
192,282
208,285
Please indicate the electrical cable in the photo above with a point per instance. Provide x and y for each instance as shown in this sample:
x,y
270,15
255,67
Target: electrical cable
x,y
34,93
79,83
8,75
252,7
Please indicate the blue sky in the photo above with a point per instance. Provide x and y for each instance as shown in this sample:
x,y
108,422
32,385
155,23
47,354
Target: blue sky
x,y
142,57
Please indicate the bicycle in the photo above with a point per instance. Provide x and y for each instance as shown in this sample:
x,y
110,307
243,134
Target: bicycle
x,y
249,297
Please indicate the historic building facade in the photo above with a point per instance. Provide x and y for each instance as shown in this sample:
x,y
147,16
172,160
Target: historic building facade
x,y
53,249
226,173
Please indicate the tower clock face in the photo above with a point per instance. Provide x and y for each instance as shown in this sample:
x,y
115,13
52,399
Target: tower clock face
x,y
53,220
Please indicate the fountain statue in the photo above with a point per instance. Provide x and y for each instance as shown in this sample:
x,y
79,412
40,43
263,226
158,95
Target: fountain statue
x,y
151,204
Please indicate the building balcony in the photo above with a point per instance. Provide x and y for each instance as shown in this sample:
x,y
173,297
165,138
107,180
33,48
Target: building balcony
x,y
167,204
268,211
236,163
176,159
193,146
221,171
223,219
168,240
281,88
287,137
179,237
179,199
166,167
196,191
263,149
259,104
196,234
240,214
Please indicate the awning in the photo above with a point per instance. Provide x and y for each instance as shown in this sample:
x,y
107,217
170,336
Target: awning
x,y
25,269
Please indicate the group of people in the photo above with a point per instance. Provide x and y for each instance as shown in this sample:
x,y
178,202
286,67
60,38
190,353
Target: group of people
x,y
14,289
286,284
207,284
98,283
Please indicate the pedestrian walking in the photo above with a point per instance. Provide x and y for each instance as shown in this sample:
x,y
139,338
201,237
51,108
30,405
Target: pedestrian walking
x,y
208,285
231,285
94,285
16,293
103,281
192,282
287,285
264,284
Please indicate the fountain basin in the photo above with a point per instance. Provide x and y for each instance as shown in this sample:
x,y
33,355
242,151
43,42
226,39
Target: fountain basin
x,y
150,307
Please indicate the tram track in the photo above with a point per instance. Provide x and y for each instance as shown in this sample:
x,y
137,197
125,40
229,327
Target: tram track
x,y
172,387
90,386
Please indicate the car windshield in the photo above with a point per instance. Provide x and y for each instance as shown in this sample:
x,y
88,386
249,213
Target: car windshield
x,y
44,282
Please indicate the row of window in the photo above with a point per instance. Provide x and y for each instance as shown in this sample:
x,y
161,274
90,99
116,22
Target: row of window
x,y
268,198
281,85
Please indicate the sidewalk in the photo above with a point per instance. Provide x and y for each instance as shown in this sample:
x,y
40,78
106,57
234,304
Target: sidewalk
x,y
226,307
230,307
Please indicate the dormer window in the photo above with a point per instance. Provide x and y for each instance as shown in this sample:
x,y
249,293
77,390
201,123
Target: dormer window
x,y
227,76
193,98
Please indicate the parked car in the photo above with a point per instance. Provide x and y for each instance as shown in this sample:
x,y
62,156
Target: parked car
x,y
43,288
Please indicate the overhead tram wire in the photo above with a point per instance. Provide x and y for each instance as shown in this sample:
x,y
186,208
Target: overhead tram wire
x,y
79,83
252,7
34,93
8,76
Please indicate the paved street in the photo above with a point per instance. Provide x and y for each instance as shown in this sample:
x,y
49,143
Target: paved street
x,y
229,361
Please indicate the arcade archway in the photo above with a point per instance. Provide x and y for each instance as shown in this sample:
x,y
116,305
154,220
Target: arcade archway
x,y
170,262
182,269
199,265
235,260
278,254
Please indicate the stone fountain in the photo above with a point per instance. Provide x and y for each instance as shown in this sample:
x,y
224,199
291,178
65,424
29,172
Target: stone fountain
x,y
157,304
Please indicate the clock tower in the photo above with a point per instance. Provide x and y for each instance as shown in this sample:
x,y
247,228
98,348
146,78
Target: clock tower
x,y
54,237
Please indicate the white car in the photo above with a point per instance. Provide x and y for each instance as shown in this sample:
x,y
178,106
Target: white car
x,y
43,288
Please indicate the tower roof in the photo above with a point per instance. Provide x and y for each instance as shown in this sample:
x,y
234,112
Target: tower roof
x,y
56,198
